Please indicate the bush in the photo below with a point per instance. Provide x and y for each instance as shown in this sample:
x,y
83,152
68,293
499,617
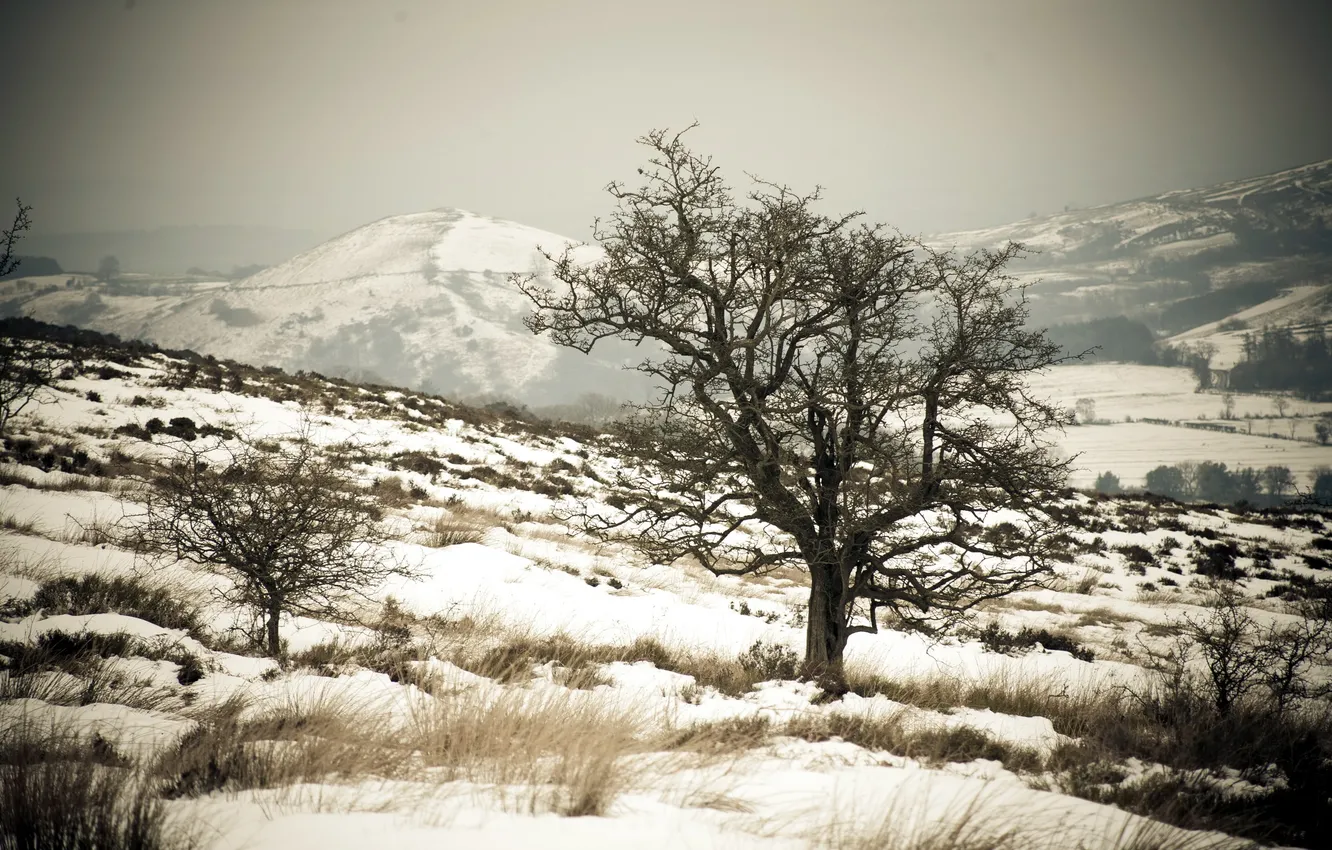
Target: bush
x,y
96,594
1217,560
770,661
996,639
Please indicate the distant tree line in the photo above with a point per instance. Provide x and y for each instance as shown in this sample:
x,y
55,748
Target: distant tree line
x,y
1117,338
1276,359
1209,481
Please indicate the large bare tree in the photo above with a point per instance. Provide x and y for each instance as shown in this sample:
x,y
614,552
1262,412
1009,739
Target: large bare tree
x,y
833,395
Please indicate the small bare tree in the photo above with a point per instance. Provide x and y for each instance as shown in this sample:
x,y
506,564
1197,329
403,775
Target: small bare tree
x,y
1086,410
291,528
27,366
834,396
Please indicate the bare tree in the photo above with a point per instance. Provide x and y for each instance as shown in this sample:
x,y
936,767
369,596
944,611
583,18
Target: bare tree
x,y
1086,410
291,529
108,269
9,260
833,395
1282,404
27,366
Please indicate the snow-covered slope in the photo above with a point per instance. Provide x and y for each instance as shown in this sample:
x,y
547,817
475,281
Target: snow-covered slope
x,y
420,300
1134,258
530,687
1172,224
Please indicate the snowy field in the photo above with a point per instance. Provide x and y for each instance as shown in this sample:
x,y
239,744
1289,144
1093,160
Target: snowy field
x,y
1130,450
1124,393
401,731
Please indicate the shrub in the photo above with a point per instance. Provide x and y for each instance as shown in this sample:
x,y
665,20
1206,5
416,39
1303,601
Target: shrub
x,y
97,594
996,639
1217,560
1135,554
770,661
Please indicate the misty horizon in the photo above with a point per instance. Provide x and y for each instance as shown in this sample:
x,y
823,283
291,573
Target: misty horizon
x,y
322,117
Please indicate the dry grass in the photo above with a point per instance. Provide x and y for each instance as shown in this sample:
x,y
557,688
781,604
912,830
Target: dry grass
x,y
328,741
897,734
452,530
728,736
75,670
58,792
905,827
976,823
513,660
541,752
1002,693
557,751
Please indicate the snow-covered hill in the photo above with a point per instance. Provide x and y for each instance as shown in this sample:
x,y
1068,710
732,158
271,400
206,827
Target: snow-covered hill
x,y
420,300
1173,224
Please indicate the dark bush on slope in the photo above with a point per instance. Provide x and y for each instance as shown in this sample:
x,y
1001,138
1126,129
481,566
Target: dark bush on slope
x,y
96,594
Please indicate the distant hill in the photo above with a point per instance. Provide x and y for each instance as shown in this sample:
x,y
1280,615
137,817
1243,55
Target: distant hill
x,y
1230,246
34,267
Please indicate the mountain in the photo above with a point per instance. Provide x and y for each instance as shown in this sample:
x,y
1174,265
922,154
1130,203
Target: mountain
x,y
423,300
419,300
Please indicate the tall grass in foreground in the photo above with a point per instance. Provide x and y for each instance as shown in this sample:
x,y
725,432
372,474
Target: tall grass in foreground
x,y
59,793
1169,722
559,752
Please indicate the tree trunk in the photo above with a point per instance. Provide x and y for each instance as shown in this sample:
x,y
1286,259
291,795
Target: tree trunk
x,y
274,618
825,630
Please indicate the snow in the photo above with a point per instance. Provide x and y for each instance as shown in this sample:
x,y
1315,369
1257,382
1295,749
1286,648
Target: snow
x,y
527,579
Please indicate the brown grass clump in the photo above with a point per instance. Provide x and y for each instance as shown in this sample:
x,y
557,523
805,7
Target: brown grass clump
x,y
896,734
720,737
324,742
568,754
58,792
451,530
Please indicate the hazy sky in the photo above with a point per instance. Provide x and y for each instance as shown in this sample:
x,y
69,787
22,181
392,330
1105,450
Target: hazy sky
x,y
326,114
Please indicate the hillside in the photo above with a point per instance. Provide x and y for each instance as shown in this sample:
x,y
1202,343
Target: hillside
x,y
531,686
1254,237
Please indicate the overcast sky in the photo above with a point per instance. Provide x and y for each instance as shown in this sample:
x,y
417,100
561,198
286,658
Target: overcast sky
x,y
326,114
